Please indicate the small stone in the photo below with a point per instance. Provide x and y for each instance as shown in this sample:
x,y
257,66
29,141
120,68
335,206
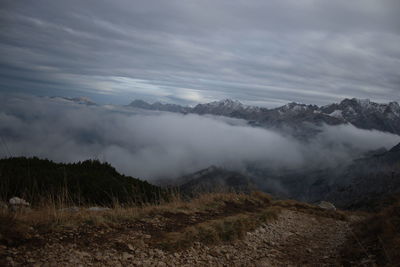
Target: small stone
x,y
127,256
9,259
18,201
98,209
130,247
83,254
70,209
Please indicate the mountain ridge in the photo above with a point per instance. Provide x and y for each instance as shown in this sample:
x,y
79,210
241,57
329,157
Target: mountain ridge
x,y
362,113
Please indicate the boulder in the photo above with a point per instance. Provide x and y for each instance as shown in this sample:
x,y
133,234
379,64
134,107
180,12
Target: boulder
x,y
326,205
98,209
18,204
70,209
18,201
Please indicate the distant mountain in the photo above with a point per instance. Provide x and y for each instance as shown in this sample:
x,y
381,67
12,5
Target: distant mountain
x,y
301,118
366,114
368,181
360,185
363,184
159,106
77,100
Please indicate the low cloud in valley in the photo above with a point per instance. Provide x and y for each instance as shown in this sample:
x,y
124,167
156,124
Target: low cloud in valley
x,y
151,145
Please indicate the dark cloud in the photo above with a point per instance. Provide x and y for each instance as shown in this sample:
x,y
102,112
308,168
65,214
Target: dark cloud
x,y
265,52
155,144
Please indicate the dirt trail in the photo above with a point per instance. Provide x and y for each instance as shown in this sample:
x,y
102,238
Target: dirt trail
x,y
300,239
294,239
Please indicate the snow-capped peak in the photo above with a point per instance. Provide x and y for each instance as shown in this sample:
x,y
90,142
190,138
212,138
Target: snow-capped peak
x,y
337,114
226,103
230,102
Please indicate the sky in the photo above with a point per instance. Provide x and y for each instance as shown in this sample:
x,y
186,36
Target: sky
x,y
264,53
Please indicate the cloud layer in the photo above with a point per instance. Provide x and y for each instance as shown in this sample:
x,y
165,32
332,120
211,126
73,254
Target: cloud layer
x,y
154,145
264,52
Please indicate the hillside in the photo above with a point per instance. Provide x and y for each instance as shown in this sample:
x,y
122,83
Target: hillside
x,y
361,184
212,179
87,182
367,181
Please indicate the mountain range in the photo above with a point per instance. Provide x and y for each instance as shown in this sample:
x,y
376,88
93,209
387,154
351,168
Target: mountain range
x,y
301,118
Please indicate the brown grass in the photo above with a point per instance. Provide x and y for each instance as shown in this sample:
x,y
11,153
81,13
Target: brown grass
x,y
219,230
377,238
52,216
312,209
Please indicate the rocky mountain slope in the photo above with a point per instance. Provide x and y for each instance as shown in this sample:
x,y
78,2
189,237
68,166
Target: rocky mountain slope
x,y
363,184
367,181
359,185
363,114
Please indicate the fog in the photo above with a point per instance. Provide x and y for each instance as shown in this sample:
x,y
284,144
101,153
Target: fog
x,y
153,145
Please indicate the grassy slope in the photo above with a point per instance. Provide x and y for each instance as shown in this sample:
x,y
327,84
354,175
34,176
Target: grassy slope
x,y
377,238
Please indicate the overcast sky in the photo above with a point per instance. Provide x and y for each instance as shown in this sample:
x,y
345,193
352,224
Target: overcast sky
x,y
259,52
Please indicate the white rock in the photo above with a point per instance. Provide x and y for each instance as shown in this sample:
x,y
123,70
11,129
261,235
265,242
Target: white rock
x,y
326,205
18,201
70,209
98,209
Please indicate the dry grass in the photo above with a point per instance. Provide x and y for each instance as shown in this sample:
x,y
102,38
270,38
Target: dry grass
x,y
377,237
219,230
312,209
54,215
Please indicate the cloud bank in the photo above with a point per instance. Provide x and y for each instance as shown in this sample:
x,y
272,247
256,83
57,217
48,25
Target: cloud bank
x,y
153,145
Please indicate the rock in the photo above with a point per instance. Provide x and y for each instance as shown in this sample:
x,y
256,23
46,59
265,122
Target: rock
x,y
18,204
146,236
11,261
98,209
159,253
18,201
326,205
82,253
71,209
271,243
130,247
127,256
